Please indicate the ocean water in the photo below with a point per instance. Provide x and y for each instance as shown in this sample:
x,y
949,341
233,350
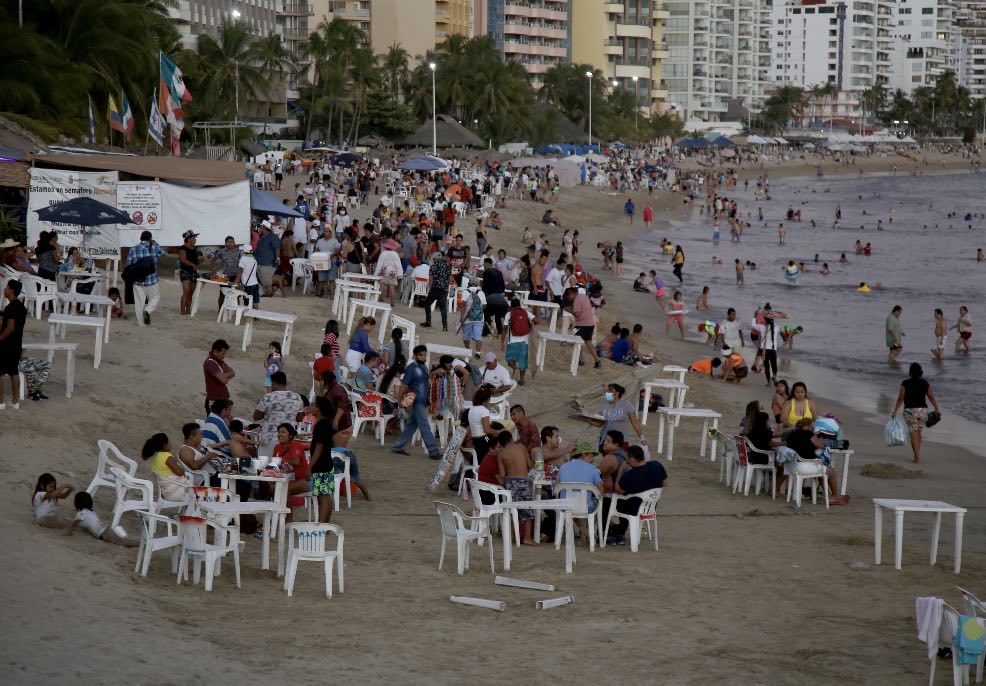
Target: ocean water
x,y
923,260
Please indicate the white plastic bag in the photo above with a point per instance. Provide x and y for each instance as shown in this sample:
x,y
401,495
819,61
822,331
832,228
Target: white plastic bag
x,y
895,433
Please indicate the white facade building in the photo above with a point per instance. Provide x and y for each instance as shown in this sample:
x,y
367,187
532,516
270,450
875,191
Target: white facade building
x,y
846,43
924,46
718,52
970,41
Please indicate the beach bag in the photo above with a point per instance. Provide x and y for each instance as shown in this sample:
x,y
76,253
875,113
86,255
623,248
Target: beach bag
x,y
475,311
933,418
895,433
139,270
520,323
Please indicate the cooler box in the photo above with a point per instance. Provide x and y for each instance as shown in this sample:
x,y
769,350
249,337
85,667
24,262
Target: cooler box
x,y
321,261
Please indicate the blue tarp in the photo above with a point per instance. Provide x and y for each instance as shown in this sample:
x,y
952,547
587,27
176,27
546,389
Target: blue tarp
x,y
265,203
565,149
344,159
688,143
424,163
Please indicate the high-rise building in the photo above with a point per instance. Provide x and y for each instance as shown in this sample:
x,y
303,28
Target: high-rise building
x,y
847,44
718,54
923,44
970,40
535,33
624,40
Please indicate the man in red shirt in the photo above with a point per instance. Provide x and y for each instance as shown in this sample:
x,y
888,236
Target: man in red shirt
x,y
323,364
528,434
217,374
585,320
336,393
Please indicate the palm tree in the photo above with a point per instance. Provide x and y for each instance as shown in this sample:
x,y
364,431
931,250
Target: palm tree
x,y
873,99
274,60
790,101
365,77
395,70
231,70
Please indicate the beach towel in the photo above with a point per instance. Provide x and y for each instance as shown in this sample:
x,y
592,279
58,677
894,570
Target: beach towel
x,y
970,640
929,616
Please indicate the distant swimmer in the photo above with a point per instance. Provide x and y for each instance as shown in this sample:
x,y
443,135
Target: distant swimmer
x,y
838,213
863,288
781,234
979,255
843,259
867,249
824,271
859,247
791,273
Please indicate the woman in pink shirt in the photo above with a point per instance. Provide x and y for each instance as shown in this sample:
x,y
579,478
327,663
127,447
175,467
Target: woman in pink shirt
x,y
585,319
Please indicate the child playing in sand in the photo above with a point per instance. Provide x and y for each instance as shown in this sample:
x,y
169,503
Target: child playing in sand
x,y
90,521
45,500
273,362
638,284
116,310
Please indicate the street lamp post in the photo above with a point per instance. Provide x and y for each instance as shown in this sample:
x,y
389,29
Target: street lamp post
x,y
236,77
636,101
434,114
589,76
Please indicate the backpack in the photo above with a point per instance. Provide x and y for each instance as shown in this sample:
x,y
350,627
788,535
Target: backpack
x,y
139,270
475,311
520,323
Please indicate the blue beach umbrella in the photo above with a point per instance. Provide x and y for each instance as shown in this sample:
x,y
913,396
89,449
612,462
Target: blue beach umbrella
x,y
424,163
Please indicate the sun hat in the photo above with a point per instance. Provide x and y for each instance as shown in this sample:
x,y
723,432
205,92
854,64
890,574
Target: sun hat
x,y
390,244
585,448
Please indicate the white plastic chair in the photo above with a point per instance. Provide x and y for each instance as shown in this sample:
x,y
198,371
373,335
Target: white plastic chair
x,y
374,415
728,444
132,495
646,513
419,290
99,285
109,456
301,269
808,470
164,503
150,542
457,527
193,534
461,208
974,607
341,477
491,512
235,302
39,292
472,467
746,471
579,494
309,544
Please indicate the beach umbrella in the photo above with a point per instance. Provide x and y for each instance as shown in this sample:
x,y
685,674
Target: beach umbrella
x,y
344,159
424,163
809,146
83,212
265,203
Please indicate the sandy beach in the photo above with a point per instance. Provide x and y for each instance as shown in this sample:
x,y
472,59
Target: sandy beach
x,y
744,590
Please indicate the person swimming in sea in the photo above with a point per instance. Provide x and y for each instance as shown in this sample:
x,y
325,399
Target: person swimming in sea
x,y
824,271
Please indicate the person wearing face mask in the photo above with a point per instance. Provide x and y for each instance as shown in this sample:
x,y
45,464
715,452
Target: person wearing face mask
x,y
618,415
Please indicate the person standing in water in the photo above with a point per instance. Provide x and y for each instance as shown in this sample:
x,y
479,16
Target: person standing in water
x,y
964,328
679,262
941,329
895,336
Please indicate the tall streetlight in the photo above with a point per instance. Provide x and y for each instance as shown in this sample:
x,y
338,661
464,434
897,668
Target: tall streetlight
x,y
636,101
589,76
236,75
434,114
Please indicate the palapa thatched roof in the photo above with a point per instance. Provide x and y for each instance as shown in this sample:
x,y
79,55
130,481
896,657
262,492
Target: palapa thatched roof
x,y
449,133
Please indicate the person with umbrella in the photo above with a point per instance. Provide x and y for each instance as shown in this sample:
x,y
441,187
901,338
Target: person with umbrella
x,y
141,271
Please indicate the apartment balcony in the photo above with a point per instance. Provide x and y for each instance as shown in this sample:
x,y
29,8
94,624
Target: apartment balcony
x,y
658,94
660,54
629,69
614,8
613,46
634,30
661,14
516,47
535,30
538,10
295,34
296,9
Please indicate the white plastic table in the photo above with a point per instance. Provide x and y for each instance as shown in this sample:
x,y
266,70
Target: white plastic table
x,y
368,307
69,299
676,398
562,506
410,330
846,457
676,370
346,289
200,285
536,486
545,336
267,315
546,305
56,320
454,351
69,350
899,507
266,508
667,414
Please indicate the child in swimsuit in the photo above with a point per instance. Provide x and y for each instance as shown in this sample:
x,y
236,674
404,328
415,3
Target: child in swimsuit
x,y
676,314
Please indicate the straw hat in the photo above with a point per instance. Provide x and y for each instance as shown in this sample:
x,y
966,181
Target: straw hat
x,y
586,448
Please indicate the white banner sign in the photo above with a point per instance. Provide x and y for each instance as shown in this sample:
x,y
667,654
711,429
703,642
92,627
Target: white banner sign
x,y
142,201
214,213
51,186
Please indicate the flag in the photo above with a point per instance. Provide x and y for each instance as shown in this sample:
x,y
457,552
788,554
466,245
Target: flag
x,y
127,119
92,123
172,87
155,127
116,121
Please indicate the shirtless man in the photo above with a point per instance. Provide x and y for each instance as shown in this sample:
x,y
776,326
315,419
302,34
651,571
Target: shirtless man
x,y
514,464
964,328
555,454
941,329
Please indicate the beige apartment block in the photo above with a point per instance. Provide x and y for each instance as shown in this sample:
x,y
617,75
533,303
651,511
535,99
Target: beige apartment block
x,y
624,40
534,33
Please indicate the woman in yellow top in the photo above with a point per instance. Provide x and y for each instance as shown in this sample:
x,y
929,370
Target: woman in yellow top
x,y
798,406
169,470
679,261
